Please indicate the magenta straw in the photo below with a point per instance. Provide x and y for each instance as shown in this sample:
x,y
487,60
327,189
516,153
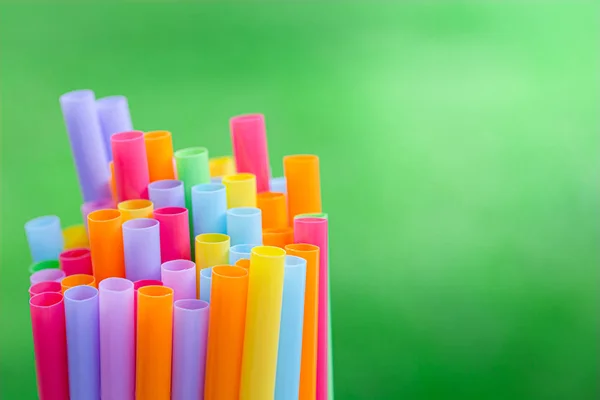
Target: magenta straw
x,y
50,345
314,231
249,138
43,287
131,166
180,275
76,261
174,233
47,275
190,330
92,206
113,113
117,339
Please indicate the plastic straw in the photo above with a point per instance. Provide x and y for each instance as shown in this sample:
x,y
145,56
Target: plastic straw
x,y
50,345
192,169
167,193
48,264
131,165
76,261
263,316
113,113
243,262
211,249
159,149
287,383
180,275
136,286
226,333
174,233
87,144
83,342
106,244
141,244
190,331
279,237
154,343
113,182
249,139
274,210
47,275
117,339
209,208
45,238
77,280
279,185
137,208
303,184
314,231
240,251
240,189
220,166
244,225
75,236
308,369
89,207
205,283
43,287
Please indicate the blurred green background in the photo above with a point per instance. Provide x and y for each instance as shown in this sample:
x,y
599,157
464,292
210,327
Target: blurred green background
x,y
459,152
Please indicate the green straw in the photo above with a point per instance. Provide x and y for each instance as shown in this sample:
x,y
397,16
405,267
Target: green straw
x,y
35,267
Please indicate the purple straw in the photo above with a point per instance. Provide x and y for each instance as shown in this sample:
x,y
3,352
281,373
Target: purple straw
x,y
47,275
141,244
113,113
180,275
87,144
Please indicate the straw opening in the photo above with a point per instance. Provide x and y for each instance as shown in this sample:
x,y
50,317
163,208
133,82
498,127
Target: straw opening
x,y
155,291
145,282
110,101
208,187
268,251
155,135
74,254
244,211
115,284
301,158
311,220
127,136
42,222
43,287
294,261
302,247
170,211
165,184
78,279
229,271
106,215
242,248
270,195
238,177
178,265
136,204
140,223
191,304
48,274
46,299
190,152
47,264
246,118
77,95
81,293
212,238
206,272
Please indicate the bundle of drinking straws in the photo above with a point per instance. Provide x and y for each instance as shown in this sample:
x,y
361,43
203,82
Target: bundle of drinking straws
x,y
190,277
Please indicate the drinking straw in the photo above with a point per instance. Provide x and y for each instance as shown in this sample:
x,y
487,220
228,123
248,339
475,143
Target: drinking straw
x,y
75,236
205,283
136,286
87,144
308,365
48,264
113,181
244,225
83,342
166,193
154,343
42,287
226,333
131,165
289,355
91,206
249,139
76,261
312,215
141,245
117,339
113,113
77,280
47,275
279,185
278,237
211,249
192,169
45,238
314,231
243,262
106,244
263,316
241,190
174,233
137,208
303,184
50,345
190,331
240,251
180,275
209,208
220,166
216,179
159,149
274,209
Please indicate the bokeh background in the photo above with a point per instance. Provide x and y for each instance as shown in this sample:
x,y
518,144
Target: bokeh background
x,y
459,152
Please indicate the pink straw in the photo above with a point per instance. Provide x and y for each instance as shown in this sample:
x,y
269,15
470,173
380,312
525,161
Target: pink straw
x,y
43,287
174,233
131,165
249,139
76,261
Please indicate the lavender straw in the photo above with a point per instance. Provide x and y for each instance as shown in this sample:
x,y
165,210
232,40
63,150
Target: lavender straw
x,y
113,113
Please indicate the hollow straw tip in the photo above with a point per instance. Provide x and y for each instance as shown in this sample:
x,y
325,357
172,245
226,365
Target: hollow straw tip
x,y
126,137
110,102
77,96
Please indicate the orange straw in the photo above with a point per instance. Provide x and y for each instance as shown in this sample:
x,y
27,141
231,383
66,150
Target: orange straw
x,y
308,363
106,244
243,262
278,237
226,332
154,341
77,280
159,151
113,182
303,185
274,209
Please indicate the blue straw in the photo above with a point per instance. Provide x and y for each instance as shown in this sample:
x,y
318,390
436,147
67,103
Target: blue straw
x,y
239,251
279,185
244,225
205,284
209,208
45,238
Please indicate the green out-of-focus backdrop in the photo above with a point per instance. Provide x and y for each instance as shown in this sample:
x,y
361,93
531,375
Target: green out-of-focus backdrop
x,y
459,147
